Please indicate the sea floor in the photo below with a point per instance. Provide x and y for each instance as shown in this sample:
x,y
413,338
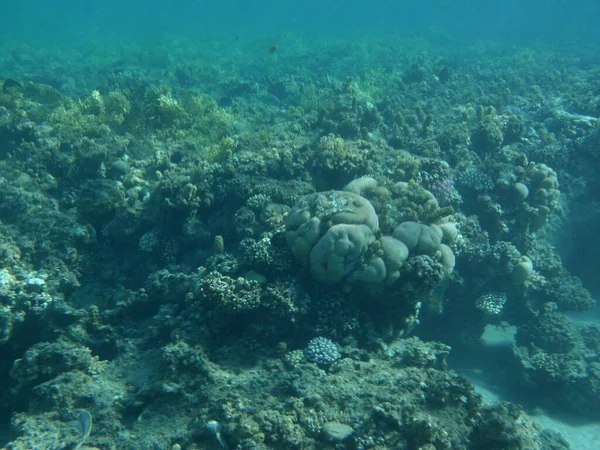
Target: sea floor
x,y
487,368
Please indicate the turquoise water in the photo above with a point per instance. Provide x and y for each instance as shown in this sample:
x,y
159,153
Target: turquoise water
x,y
299,225
509,20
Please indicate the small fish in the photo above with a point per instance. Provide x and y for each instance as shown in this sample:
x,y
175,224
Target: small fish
x,y
10,83
83,425
272,49
444,74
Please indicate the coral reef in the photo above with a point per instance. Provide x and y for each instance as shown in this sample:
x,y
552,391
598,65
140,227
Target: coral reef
x,y
557,355
215,250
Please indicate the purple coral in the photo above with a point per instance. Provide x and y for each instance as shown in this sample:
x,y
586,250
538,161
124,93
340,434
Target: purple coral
x,y
443,190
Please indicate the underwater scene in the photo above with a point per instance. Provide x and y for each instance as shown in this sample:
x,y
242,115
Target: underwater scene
x,y
300,225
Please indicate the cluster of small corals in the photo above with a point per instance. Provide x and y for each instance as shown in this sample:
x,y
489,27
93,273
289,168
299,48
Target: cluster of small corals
x,y
263,256
230,294
258,202
322,351
475,180
294,358
429,272
148,241
491,303
443,190
285,298
224,263
257,253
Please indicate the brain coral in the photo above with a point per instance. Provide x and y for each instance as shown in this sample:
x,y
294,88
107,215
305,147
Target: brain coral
x,y
336,235
419,238
339,252
331,231
310,218
384,265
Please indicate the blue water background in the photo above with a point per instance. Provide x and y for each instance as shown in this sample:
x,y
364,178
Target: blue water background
x,y
68,21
